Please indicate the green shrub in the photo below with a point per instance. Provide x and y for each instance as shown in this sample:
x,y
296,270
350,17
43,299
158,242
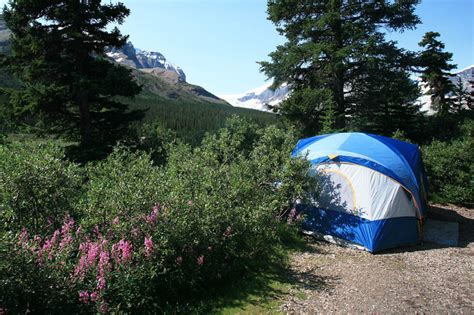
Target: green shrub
x,y
151,237
124,184
37,186
450,168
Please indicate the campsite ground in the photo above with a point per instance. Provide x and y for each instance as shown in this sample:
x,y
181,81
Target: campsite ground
x,y
428,278
326,278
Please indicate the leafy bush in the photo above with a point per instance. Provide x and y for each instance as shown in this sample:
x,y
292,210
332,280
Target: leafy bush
x,y
151,235
37,186
124,184
450,168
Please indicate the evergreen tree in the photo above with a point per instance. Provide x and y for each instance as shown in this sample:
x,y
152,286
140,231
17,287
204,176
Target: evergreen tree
x,y
328,119
435,64
461,96
57,51
324,57
385,100
470,96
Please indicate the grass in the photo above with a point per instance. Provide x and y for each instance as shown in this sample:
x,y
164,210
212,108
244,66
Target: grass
x,y
262,291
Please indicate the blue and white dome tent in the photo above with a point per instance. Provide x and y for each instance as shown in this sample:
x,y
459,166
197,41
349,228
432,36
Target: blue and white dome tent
x,y
373,190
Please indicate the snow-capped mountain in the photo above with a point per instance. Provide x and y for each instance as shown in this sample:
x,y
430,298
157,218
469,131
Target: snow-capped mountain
x,y
142,59
258,98
467,78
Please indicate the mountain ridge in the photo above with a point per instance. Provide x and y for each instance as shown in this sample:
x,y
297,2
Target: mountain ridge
x,y
157,76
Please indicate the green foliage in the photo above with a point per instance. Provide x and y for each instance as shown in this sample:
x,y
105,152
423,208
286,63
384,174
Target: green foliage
x,y
400,135
123,184
435,64
328,120
36,185
333,46
450,167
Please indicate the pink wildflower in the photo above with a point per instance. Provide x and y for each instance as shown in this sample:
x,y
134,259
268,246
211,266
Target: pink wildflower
x,y
200,260
126,247
94,296
84,247
81,267
101,283
49,244
55,237
122,251
153,216
84,297
103,260
102,268
23,237
179,260
65,241
116,221
48,247
92,253
67,226
190,203
39,259
148,246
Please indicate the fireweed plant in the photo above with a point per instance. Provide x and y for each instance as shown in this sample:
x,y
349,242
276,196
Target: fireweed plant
x,y
143,238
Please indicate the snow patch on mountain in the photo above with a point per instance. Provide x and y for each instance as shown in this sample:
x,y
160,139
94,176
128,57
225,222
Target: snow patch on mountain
x,y
142,59
259,98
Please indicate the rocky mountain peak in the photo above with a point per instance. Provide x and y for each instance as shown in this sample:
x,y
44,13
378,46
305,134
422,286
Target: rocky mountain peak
x,y
136,58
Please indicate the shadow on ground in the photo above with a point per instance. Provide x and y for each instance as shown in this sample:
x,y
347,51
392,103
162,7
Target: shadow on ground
x,y
465,218
262,291
462,216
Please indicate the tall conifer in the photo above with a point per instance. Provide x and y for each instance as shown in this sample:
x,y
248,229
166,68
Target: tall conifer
x,y
57,51
324,57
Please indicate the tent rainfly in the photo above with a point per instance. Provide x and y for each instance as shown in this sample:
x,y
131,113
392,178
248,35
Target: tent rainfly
x,y
373,190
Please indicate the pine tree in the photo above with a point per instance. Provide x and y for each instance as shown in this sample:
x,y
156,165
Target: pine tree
x,y
470,97
328,119
385,99
461,96
58,53
435,64
326,50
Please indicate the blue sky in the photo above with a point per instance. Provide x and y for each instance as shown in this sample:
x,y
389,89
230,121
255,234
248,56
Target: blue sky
x,y
218,42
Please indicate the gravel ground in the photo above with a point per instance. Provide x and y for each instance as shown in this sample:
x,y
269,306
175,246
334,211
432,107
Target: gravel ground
x,y
428,278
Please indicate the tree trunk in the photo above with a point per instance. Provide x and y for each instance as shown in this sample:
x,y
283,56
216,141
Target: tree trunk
x,y
85,118
338,66
339,99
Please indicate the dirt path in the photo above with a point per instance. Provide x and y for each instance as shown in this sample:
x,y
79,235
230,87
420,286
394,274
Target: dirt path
x,y
420,279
